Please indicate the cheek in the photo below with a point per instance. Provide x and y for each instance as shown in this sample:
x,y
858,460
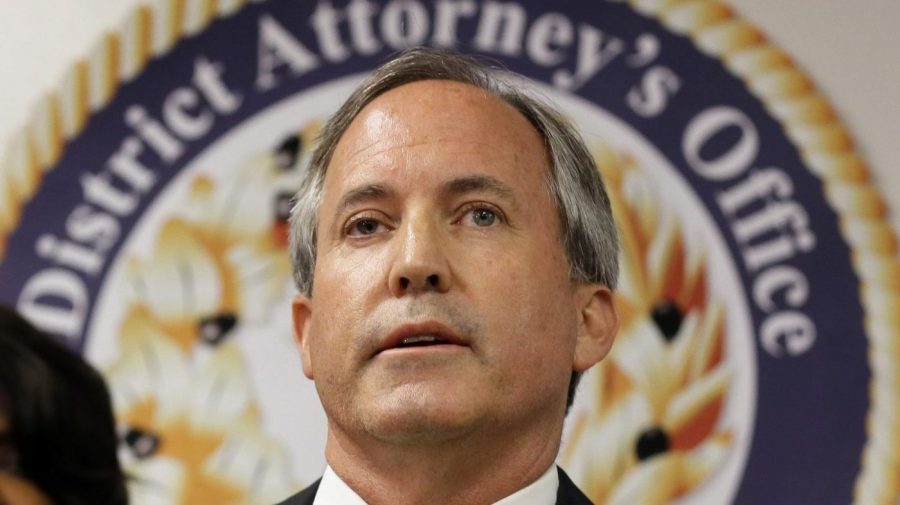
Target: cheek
x,y
531,304
342,298
544,302
343,282
532,345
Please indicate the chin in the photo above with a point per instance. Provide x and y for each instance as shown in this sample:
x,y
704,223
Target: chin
x,y
418,419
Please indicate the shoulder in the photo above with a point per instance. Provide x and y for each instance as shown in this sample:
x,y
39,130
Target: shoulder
x,y
304,497
568,493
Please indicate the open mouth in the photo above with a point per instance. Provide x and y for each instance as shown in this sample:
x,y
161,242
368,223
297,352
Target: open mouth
x,y
422,334
421,341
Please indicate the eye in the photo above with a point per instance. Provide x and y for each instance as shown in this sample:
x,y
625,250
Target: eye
x,y
480,215
483,217
363,226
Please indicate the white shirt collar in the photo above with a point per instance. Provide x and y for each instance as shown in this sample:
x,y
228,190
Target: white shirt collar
x,y
334,491
539,492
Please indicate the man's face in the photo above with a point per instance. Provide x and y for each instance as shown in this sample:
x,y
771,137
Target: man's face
x,y
442,301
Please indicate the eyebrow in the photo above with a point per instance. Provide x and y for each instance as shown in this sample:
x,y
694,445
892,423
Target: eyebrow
x,y
455,187
362,194
473,183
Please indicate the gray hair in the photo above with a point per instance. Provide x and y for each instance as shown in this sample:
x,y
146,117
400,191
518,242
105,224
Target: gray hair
x,y
588,232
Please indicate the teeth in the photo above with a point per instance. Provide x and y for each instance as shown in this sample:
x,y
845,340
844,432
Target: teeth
x,y
419,339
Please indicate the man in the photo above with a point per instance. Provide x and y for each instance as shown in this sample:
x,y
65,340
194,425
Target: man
x,y
455,253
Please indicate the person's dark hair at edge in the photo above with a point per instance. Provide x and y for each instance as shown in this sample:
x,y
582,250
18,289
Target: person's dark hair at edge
x,y
60,418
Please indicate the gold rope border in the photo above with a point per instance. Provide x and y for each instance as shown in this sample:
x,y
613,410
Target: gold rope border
x,y
828,150
147,32
826,147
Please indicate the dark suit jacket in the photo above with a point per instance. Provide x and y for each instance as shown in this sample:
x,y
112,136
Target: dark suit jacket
x,y
567,494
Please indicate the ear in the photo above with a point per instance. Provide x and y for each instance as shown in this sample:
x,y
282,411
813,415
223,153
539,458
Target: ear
x,y
301,312
598,324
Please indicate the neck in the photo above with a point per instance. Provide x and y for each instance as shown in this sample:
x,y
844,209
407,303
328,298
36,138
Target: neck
x,y
474,468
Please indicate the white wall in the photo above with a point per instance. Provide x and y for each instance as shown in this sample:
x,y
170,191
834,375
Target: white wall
x,y
850,49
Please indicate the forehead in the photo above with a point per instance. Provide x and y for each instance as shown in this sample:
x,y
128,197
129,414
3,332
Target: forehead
x,y
438,121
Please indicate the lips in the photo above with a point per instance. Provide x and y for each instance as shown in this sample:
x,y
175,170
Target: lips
x,y
421,341
429,333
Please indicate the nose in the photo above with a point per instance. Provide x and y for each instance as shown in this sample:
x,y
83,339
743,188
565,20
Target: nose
x,y
420,263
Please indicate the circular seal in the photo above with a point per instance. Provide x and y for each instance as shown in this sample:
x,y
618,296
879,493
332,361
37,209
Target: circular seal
x,y
144,224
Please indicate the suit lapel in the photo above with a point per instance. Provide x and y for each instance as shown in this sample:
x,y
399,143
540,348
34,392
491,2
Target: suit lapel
x,y
568,493
305,497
